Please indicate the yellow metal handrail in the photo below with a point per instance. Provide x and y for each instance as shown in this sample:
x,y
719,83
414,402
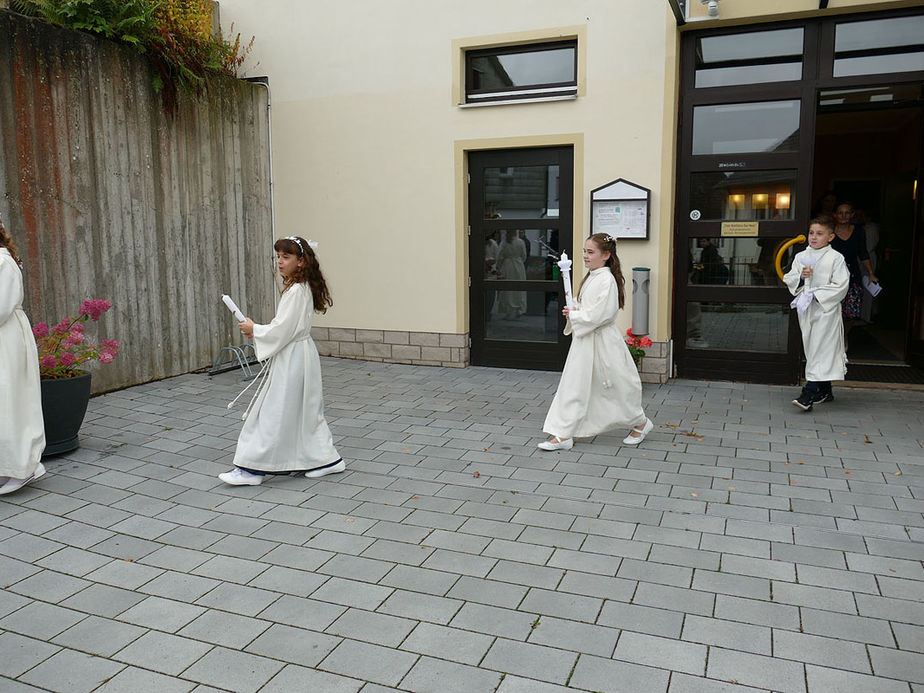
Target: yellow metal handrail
x,y
782,249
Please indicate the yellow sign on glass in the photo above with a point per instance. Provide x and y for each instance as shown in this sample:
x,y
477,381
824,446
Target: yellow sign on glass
x,y
739,229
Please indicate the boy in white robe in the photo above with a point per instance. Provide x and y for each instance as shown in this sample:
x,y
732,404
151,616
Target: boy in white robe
x,y
819,279
284,428
22,429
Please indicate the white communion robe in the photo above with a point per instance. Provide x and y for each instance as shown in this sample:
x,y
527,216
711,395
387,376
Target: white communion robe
x,y
821,323
22,430
600,388
285,429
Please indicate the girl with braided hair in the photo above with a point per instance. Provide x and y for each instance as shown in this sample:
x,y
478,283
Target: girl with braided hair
x,y
600,388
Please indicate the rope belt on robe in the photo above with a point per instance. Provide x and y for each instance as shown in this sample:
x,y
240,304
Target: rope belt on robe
x,y
264,371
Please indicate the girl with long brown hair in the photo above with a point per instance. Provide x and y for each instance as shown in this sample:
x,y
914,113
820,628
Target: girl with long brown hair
x,y
22,429
284,427
600,388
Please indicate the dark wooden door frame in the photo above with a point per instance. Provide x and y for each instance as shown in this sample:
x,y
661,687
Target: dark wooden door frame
x,y
511,353
817,75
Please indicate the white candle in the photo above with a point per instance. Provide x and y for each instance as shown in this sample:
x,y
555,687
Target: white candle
x,y
232,306
564,264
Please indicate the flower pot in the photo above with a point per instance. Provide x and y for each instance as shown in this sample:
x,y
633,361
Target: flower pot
x,y
64,404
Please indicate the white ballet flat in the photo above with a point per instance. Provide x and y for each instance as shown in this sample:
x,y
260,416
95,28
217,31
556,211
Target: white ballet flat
x,y
644,431
565,444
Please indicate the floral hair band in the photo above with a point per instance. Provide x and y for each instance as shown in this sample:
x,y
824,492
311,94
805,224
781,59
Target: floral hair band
x,y
311,244
609,239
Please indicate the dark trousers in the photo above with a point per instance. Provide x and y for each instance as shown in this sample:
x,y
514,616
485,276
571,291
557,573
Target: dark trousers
x,y
814,388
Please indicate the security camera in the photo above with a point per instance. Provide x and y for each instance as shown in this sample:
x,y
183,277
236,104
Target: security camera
x,y
712,7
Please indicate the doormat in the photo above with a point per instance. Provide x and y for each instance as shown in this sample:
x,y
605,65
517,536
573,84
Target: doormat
x,y
872,373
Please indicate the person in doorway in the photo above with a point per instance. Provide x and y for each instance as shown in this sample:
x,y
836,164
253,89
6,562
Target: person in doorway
x,y
284,427
511,261
871,229
826,204
850,241
22,429
819,279
713,270
600,388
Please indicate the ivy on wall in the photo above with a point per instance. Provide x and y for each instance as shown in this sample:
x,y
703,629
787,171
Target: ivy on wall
x,y
176,35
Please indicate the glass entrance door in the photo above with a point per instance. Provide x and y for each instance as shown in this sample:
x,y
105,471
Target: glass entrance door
x,y
520,219
745,124
749,172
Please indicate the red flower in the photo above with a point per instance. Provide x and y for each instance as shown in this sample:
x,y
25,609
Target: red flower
x,y
40,330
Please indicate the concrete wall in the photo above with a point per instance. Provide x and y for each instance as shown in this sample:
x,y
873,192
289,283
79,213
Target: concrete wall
x,y
108,196
370,141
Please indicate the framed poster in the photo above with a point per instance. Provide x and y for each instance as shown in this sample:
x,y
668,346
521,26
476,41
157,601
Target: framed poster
x,y
621,209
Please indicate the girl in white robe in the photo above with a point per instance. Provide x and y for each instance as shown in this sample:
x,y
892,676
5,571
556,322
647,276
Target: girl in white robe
x,y
819,279
22,430
600,388
284,428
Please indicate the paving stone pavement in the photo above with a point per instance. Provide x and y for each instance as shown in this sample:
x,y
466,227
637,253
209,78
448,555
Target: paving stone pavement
x,y
745,546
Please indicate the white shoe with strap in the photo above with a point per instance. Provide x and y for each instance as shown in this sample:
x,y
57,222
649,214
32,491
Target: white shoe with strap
x,y
557,444
642,433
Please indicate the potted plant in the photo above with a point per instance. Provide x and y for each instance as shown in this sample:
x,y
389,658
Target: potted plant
x,y
62,350
635,344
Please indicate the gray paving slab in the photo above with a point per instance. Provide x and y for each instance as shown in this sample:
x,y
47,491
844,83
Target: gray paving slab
x,y
731,551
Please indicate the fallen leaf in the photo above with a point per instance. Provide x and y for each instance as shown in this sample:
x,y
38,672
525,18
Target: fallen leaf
x,y
847,472
731,488
694,495
349,519
476,474
414,497
898,473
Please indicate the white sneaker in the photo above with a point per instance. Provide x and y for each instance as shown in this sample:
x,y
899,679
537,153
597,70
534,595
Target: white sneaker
x,y
239,477
14,484
643,431
332,468
562,444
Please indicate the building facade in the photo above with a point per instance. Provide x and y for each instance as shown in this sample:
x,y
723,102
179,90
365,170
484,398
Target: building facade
x,y
445,153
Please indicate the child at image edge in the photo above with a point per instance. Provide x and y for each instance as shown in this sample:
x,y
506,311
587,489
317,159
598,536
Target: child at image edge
x,y
22,429
284,427
819,279
600,388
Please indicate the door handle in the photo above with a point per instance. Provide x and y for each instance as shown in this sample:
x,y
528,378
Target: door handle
x,y
782,249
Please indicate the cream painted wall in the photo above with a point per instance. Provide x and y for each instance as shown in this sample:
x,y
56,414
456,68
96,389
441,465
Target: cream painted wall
x,y
365,134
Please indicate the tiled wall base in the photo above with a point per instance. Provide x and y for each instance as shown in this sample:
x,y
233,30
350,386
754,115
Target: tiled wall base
x,y
654,365
437,349
418,348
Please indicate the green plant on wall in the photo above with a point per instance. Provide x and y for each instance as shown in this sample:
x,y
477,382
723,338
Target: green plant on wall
x,y
175,35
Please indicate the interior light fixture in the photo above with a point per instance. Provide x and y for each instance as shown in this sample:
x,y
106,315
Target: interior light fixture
x,y
760,200
782,200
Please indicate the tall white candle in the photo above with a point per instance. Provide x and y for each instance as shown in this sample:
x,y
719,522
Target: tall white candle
x,y
564,264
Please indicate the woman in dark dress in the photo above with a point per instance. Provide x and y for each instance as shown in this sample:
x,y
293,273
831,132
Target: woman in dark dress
x,y
850,241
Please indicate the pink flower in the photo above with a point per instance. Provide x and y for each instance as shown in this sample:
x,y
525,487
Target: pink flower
x,y
61,327
49,361
74,338
646,342
106,357
110,345
68,359
95,308
78,327
40,330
